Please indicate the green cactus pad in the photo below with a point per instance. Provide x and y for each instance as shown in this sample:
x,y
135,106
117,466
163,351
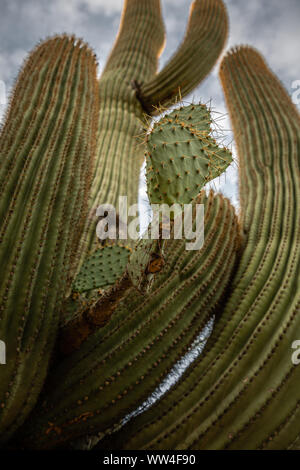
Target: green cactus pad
x,y
102,269
182,156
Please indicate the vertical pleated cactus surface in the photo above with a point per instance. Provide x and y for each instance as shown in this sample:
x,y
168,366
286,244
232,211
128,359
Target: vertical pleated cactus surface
x,y
243,391
68,144
47,150
130,91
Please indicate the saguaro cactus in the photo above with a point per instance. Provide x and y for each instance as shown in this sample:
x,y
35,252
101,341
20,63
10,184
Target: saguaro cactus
x,y
130,90
47,147
242,391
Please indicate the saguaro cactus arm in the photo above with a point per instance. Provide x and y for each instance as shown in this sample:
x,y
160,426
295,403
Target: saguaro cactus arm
x,y
204,40
182,156
134,60
45,174
243,392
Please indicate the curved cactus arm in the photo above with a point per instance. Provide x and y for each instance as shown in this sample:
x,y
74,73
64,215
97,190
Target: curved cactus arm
x,y
47,146
97,289
182,156
117,368
119,153
203,43
243,393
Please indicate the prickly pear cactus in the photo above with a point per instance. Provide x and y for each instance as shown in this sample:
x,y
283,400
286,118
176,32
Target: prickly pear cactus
x,y
47,153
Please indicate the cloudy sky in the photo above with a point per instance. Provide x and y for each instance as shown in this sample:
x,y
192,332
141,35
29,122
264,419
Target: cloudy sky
x,y
270,25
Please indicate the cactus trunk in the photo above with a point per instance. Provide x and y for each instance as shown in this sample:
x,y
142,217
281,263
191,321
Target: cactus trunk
x,y
123,327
